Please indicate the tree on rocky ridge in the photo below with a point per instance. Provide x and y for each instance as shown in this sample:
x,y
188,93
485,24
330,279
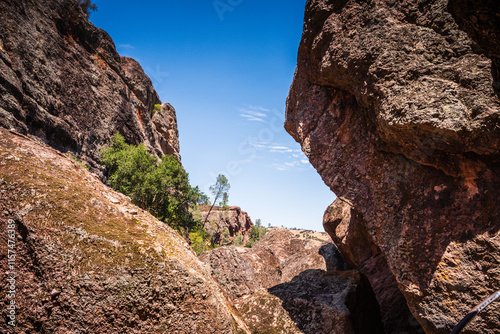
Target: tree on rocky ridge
x,y
220,191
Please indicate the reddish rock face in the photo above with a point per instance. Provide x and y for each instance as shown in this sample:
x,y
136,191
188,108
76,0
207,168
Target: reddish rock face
x,y
279,286
89,261
397,108
234,220
242,271
349,233
62,80
339,302
282,243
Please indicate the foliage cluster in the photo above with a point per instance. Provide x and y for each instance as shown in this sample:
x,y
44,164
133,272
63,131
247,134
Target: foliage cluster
x,y
238,240
156,108
256,233
162,188
201,241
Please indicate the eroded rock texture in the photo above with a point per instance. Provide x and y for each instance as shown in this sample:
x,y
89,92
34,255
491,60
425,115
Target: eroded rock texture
x,y
280,286
396,105
89,261
349,233
62,80
335,302
232,221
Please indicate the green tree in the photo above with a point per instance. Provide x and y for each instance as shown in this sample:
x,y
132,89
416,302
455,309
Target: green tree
x,y
199,197
258,222
256,233
220,191
161,188
238,239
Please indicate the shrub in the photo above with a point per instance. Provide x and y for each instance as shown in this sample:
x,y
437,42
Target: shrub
x,y
226,240
256,233
200,241
238,239
161,188
156,108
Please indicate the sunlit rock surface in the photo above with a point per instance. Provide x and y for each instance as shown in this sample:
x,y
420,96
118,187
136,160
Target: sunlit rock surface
x,y
396,104
280,286
89,261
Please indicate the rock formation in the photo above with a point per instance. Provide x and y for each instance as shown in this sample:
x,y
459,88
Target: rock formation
x,y
62,80
88,261
396,104
242,271
348,231
322,302
279,286
312,239
233,220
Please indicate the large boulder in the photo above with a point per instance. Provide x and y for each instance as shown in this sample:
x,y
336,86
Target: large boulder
x,y
88,261
282,243
62,80
314,302
340,302
242,271
396,104
264,313
279,286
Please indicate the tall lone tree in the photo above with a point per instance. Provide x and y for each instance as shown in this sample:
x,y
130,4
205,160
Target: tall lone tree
x,y
220,191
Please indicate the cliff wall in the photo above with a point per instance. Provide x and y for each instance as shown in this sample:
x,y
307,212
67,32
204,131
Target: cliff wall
x,y
62,80
396,104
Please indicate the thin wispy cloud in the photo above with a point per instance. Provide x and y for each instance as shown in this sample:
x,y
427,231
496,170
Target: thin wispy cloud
x,y
259,108
272,147
126,46
254,114
280,149
295,161
252,118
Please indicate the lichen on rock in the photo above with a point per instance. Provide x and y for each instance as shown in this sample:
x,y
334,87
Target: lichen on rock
x,y
396,105
114,267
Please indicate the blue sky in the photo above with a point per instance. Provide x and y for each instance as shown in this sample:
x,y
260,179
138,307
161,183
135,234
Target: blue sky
x,y
226,66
